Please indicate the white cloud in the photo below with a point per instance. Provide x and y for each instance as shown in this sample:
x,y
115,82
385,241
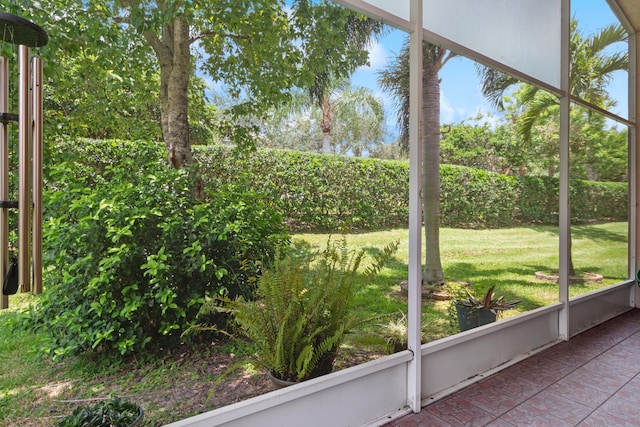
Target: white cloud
x,y
485,117
447,112
377,58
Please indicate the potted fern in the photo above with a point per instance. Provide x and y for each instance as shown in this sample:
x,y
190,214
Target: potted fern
x,y
472,311
303,309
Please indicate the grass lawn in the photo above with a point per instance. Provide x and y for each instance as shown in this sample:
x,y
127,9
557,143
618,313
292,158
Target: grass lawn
x,y
507,258
34,391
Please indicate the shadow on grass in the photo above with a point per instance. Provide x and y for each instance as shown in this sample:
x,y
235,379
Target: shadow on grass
x,y
586,232
520,287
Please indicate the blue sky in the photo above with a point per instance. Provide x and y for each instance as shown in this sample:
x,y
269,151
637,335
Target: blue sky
x,y
461,98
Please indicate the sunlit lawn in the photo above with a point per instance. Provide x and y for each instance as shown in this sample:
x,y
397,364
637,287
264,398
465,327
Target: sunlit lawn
x,y
507,258
31,386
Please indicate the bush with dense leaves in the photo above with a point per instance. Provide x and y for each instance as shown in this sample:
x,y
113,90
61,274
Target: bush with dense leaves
x,y
338,193
317,192
130,254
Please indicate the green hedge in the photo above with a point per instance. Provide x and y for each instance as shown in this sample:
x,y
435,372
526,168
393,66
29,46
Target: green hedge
x,y
326,192
335,193
317,192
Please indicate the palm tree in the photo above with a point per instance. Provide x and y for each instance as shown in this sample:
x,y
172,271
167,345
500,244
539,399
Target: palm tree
x,y
329,65
357,122
591,69
395,79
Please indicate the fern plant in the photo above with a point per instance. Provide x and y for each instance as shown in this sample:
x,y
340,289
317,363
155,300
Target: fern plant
x,y
303,309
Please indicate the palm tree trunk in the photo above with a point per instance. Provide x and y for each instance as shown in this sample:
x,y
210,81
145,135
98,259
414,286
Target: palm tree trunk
x,y
433,273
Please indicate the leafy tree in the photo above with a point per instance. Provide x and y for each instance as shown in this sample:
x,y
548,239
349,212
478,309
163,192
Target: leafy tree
x,y
395,79
99,74
389,151
481,146
242,44
97,77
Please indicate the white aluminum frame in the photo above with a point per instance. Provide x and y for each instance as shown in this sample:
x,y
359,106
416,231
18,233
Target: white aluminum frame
x,y
373,393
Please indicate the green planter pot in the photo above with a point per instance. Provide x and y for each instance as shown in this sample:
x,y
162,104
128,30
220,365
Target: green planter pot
x,y
278,383
469,318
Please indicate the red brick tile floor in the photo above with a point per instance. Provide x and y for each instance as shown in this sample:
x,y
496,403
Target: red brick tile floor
x,y
591,381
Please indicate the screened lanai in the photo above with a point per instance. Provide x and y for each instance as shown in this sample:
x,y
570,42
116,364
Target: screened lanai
x,y
530,40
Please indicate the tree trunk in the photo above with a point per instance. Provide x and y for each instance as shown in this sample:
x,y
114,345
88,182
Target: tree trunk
x,y
572,270
177,137
173,50
326,125
433,273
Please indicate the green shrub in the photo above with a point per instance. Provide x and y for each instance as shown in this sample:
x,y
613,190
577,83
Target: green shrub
x,y
130,255
317,192
474,198
113,412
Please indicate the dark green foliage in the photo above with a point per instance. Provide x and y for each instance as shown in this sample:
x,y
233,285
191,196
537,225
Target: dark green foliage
x,y
480,146
476,198
317,192
114,412
334,193
304,308
539,199
131,255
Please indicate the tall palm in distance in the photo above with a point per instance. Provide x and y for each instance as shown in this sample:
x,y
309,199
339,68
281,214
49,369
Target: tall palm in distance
x,y
591,69
592,66
333,65
357,122
395,79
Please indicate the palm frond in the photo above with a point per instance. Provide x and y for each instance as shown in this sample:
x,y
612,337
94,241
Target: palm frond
x,y
494,85
539,103
607,36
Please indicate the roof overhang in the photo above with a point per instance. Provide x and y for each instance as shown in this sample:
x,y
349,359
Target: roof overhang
x,y
630,10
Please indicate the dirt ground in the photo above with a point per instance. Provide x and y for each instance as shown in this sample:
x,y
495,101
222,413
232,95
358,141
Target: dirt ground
x,y
168,390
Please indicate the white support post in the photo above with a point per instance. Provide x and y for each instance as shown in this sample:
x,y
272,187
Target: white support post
x,y
564,220
634,165
414,383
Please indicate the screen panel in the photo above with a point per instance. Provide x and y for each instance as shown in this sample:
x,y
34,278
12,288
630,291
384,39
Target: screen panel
x,y
399,8
523,34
